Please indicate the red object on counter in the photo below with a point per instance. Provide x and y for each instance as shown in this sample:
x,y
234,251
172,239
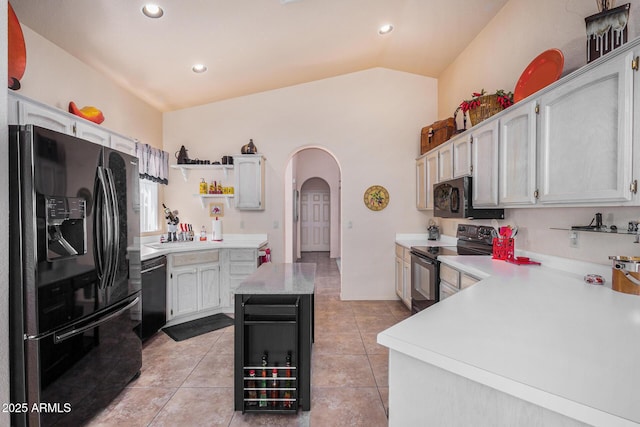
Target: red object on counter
x,y
503,248
522,260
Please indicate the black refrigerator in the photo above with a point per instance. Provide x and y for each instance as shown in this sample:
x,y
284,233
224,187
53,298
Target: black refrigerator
x,y
74,290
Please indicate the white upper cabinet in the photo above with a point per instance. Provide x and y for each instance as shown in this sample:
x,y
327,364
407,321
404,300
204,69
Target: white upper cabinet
x,y
123,144
585,142
485,164
92,133
461,156
432,176
46,117
517,154
421,183
249,181
445,161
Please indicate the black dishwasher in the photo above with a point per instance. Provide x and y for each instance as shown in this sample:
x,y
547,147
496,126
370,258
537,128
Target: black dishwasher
x,y
154,296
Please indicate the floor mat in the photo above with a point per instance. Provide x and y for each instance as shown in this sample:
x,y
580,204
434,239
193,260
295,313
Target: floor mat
x,y
197,327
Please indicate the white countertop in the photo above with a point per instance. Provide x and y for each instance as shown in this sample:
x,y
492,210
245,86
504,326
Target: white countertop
x,y
537,333
280,279
230,241
421,239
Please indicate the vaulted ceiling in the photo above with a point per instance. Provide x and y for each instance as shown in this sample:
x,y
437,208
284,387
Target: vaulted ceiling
x,y
252,46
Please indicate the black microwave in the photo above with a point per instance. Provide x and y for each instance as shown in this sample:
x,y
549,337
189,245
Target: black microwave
x,y
452,199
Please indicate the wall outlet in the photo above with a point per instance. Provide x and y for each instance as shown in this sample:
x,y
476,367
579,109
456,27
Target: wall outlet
x,y
241,224
573,239
275,224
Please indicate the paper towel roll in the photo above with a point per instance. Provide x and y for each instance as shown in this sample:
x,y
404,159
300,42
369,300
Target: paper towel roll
x,y
216,226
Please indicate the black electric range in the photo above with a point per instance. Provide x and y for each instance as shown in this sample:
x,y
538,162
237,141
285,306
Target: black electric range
x,y
425,267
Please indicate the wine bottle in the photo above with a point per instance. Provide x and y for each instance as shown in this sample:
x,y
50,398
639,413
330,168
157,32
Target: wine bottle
x,y
287,393
251,385
274,388
263,381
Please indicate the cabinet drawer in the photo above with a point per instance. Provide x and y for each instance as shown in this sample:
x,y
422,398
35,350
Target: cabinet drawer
x,y
242,268
446,290
466,280
242,255
188,258
450,275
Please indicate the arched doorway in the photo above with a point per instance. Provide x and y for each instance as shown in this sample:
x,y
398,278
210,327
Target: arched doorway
x,y
311,165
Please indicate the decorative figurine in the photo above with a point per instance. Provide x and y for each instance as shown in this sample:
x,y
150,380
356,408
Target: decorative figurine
x,y
172,223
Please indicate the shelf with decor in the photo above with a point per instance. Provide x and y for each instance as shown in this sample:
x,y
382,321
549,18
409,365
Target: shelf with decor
x,y
185,168
205,198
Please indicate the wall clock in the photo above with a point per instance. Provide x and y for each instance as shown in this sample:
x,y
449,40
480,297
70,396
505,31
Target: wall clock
x,y
376,198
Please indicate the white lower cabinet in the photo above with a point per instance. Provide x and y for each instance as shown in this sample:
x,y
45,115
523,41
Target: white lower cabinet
x,y
194,282
403,274
239,264
453,280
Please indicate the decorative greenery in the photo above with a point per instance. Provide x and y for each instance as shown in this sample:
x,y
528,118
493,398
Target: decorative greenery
x,y
505,99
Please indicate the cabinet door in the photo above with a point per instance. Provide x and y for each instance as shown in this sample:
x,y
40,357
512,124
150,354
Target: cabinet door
x,y
399,278
91,133
485,165
517,151
249,185
210,284
122,144
34,114
406,283
421,183
585,136
445,162
184,283
432,176
461,156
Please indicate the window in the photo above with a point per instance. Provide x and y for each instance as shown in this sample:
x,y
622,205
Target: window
x,y
148,206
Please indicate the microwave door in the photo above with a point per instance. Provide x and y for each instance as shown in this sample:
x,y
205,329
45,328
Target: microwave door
x,y
454,200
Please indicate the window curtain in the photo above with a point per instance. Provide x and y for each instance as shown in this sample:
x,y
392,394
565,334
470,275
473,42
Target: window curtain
x,y
153,163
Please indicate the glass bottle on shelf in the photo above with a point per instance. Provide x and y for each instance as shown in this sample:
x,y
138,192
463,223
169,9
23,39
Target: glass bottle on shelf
x,y
251,385
287,384
203,186
263,381
274,388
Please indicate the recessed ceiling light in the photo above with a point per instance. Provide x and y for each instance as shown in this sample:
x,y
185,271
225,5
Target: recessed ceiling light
x,y
385,29
199,68
152,11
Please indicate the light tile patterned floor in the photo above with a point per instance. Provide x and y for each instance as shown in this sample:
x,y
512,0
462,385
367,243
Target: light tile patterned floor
x,y
190,383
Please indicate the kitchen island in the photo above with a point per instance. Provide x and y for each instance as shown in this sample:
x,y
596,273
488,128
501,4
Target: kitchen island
x,y
528,345
273,337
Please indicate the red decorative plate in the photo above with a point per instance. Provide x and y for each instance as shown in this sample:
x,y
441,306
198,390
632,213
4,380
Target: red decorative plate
x,y
545,69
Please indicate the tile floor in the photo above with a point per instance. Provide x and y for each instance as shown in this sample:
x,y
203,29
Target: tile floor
x,y
190,383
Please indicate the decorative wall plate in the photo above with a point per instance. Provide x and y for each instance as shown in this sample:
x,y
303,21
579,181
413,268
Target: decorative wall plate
x,y
376,198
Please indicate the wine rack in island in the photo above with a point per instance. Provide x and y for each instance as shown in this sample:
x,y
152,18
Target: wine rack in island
x,y
273,338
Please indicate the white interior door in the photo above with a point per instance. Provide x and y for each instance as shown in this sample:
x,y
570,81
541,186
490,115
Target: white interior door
x,y
315,221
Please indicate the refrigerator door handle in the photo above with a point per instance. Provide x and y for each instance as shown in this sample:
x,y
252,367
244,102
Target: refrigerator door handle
x,y
105,246
57,338
98,224
115,224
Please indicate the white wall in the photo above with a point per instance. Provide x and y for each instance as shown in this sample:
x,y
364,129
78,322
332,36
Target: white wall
x,y
494,60
370,121
520,31
54,77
